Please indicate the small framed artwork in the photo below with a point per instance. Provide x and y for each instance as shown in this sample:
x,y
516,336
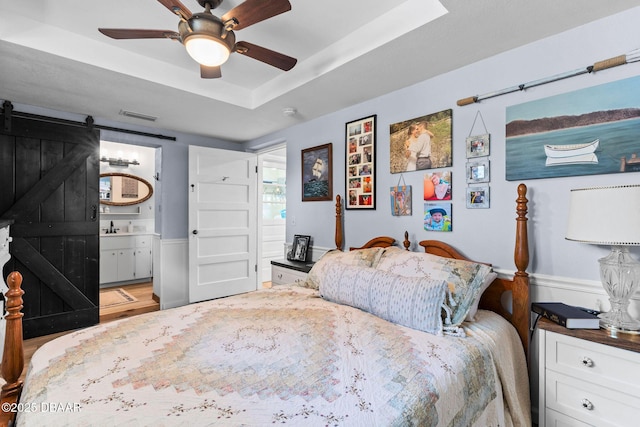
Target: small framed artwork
x,y
400,200
478,145
478,197
317,173
360,143
437,216
437,185
478,171
300,248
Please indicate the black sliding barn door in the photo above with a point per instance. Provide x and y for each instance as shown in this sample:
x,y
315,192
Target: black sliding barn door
x,y
49,175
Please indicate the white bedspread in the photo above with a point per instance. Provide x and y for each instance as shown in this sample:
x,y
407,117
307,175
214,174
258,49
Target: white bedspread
x,y
283,356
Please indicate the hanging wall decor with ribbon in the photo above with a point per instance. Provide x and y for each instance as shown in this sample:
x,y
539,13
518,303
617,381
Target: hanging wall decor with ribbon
x,y
401,199
478,145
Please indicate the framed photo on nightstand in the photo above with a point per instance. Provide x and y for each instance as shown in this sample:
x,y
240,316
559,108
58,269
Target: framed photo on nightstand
x,y
300,248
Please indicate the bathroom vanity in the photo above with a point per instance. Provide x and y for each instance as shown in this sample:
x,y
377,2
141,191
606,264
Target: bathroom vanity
x,y
125,257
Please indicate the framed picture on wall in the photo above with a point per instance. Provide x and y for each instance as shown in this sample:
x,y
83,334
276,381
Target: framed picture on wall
x,y
478,197
478,171
478,145
360,143
317,173
421,143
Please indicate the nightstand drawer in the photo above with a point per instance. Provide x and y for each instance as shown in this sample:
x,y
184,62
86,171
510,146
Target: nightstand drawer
x,y
556,419
590,402
286,276
606,366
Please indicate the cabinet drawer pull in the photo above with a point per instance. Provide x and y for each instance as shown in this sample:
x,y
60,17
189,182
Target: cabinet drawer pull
x,y
587,362
586,404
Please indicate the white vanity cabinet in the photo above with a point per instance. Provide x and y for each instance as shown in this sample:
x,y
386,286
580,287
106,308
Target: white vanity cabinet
x,y
125,258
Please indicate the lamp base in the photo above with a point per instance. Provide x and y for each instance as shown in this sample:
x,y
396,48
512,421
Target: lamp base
x,y
611,326
620,275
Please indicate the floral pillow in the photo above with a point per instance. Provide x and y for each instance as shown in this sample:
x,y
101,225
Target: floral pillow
x,y
466,279
415,302
360,257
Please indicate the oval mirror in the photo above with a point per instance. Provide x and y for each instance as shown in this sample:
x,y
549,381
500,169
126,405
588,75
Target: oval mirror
x,y
121,189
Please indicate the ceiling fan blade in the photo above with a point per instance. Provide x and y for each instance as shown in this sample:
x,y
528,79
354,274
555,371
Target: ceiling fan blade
x,y
124,33
253,11
210,72
176,6
265,55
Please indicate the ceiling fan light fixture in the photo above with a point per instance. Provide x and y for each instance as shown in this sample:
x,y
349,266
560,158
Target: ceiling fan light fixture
x,y
207,50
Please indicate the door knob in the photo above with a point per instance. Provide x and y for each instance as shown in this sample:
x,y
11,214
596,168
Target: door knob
x,y
194,232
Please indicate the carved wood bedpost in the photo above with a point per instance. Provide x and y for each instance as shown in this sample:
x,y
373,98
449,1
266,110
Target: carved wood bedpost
x,y
521,298
407,242
339,234
13,357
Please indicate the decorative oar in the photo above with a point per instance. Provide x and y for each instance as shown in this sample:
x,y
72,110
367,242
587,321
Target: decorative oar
x,y
632,56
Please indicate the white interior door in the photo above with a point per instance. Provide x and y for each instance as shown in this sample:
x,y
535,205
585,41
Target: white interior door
x,y
222,223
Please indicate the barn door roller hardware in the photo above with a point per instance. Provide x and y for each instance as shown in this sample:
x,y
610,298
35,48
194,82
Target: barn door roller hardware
x,y
7,109
632,56
89,122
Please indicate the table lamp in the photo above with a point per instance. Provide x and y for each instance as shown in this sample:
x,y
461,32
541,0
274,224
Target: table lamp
x,y
611,216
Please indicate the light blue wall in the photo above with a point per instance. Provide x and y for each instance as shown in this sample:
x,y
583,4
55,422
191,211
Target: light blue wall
x,y
485,234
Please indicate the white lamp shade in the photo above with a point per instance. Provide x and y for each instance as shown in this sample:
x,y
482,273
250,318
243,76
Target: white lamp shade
x,y
605,215
206,50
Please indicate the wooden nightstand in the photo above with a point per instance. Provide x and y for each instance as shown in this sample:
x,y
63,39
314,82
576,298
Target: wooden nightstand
x,y
587,377
284,272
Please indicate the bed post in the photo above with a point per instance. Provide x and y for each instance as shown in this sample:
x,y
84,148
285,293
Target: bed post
x,y
339,235
520,290
13,357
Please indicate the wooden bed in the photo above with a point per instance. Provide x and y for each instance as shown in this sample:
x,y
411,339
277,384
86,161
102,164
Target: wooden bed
x,y
518,286
519,314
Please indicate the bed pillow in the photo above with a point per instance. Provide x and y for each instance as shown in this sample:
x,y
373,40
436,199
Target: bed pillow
x,y
415,302
361,257
471,315
466,279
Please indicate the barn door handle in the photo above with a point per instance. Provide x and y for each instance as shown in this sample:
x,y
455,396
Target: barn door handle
x,y
94,212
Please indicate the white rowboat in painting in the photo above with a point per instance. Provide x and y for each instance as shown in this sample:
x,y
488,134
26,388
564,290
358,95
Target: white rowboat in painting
x,y
571,150
581,159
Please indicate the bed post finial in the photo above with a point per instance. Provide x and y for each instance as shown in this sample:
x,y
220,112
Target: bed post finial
x,y
339,236
521,255
520,290
13,357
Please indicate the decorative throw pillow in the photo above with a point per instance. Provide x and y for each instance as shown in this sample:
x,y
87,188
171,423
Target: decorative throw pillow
x,y
471,315
466,279
360,257
415,302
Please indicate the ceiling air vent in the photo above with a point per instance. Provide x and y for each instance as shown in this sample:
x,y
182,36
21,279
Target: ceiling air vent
x,y
138,115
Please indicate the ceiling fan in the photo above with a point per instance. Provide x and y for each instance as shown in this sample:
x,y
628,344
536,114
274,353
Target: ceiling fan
x,y
210,40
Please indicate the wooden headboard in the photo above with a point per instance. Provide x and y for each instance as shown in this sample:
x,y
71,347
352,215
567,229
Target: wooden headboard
x,y
492,299
518,286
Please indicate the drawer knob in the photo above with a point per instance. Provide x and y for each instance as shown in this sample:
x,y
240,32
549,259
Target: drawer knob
x,y
280,276
586,404
587,362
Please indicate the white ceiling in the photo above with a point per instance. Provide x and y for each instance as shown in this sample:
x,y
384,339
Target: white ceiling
x,y
52,56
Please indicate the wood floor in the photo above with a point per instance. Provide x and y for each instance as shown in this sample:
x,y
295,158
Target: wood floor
x,y
146,302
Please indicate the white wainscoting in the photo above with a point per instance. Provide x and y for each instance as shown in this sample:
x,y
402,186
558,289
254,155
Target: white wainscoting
x,y
171,272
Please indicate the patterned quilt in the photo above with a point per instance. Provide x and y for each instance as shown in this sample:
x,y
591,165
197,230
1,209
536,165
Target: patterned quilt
x,y
277,356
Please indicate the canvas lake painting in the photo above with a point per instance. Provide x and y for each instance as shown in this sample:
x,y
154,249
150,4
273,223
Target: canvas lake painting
x,y
587,132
